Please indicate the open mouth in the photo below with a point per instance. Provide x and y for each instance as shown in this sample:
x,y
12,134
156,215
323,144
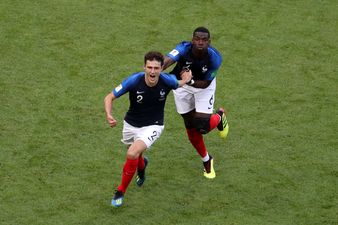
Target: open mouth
x,y
152,77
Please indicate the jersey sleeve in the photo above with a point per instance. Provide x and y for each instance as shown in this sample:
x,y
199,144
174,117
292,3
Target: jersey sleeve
x,y
216,62
170,80
126,84
179,50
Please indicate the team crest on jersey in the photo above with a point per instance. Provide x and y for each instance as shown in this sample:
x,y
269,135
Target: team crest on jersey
x,y
118,88
174,52
162,95
204,69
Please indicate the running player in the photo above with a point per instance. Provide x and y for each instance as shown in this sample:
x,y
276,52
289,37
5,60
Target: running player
x,y
143,123
195,101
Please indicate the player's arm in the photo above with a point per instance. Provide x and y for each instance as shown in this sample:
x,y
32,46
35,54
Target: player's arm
x,y
108,104
167,62
116,93
174,55
199,83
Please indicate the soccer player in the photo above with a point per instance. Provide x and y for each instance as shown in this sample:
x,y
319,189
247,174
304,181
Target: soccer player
x,y
143,122
195,101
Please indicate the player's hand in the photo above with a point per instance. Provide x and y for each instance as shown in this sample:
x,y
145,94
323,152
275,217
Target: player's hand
x,y
184,69
186,76
110,119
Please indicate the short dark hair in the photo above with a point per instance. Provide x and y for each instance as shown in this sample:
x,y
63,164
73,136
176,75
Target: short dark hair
x,y
201,29
154,55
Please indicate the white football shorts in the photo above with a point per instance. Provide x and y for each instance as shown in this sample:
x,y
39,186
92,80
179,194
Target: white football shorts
x,y
188,98
147,134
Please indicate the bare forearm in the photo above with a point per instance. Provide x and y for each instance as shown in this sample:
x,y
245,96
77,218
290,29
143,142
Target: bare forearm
x,y
167,62
181,83
186,76
108,104
201,83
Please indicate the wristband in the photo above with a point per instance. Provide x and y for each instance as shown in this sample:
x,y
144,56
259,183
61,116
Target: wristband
x,y
191,82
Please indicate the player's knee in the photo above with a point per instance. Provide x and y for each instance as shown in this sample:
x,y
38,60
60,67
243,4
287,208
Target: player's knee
x,y
202,125
133,153
188,120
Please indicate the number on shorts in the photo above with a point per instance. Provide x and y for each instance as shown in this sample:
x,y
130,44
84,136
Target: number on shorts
x,y
211,100
152,137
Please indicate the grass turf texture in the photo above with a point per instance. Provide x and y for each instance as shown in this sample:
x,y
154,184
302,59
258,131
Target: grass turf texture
x,y
278,81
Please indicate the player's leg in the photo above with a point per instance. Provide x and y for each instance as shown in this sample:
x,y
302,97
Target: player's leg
x,y
204,101
206,120
149,135
205,123
141,169
135,149
129,169
130,166
202,124
223,125
185,105
194,136
144,138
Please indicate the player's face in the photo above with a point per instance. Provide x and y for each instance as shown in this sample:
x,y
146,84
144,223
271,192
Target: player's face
x,y
152,71
200,41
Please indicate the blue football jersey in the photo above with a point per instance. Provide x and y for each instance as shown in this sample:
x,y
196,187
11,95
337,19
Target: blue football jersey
x,y
146,103
202,69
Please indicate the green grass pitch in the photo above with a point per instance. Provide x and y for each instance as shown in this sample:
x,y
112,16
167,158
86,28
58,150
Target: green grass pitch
x,y
60,161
